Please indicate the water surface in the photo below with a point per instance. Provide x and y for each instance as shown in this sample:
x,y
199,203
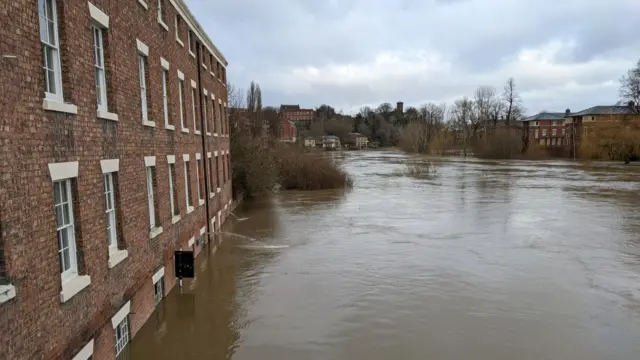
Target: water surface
x,y
482,260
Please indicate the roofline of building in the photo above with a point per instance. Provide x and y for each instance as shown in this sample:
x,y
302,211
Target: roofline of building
x,y
186,14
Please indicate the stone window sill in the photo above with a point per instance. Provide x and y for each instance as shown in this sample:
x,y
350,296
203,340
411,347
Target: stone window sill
x,y
191,242
57,106
197,132
212,74
179,41
208,133
189,209
215,134
149,123
192,54
102,114
116,257
73,287
7,292
212,194
185,130
201,201
163,24
155,232
175,219
219,190
170,127
144,4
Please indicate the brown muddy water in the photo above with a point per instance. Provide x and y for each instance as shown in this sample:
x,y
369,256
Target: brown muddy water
x,y
483,260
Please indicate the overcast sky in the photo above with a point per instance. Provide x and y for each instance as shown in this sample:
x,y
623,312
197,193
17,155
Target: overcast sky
x,y
351,53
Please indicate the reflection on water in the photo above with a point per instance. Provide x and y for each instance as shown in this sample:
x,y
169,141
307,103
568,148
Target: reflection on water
x,y
484,260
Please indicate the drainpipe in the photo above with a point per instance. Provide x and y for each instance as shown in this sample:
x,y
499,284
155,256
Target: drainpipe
x,y
203,135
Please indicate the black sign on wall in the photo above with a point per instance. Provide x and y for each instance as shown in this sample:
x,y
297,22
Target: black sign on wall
x,y
184,264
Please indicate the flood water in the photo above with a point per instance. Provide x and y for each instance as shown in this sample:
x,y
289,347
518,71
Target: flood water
x,y
482,260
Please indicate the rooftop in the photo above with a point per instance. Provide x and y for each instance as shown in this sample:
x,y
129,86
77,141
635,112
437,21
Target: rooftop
x,y
546,116
604,110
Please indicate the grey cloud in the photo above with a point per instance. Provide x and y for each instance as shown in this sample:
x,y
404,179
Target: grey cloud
x,y
263,38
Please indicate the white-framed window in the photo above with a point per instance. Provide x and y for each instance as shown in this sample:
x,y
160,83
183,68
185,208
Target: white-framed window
x,y
158,291
564,131
218,171
161,12
172,188
110,201
178,23
190,38
198,163
553,132
193,106
544,132
65,229
101,78
187,182
210,178
536,134
47,12
150,174
121,333
214,114
165,97
181,102
142,68
205,105
143,53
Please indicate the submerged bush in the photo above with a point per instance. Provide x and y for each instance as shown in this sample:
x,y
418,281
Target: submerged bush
x,y
308,170
421,169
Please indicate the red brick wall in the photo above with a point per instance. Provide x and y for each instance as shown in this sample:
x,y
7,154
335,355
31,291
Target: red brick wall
x,y
35,324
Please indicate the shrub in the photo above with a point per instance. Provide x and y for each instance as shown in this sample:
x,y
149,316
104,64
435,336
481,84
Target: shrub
x,y
503,144
421,169
308,170
254,170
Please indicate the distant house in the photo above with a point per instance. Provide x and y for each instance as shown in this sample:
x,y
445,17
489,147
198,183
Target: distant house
x,y
545,129
289,131
330,142
357,140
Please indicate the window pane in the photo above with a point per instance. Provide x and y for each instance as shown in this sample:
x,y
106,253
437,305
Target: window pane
x,y
56,193
64,187
66,214
59,217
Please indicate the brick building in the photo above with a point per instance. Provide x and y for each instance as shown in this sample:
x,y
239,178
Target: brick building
x,y
545,129
114,154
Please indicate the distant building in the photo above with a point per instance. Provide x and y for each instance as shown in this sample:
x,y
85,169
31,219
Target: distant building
x,y
331,142
357,140
310,142
289,132
557,131
296,114
545,129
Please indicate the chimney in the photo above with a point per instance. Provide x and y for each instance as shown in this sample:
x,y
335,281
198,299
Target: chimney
x,y
400,107
567,112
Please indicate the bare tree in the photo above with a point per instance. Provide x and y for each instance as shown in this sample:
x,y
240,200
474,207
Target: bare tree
x,y
384,109
485,96
254,109
513,104
237,110
272,121
463,119
630,88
